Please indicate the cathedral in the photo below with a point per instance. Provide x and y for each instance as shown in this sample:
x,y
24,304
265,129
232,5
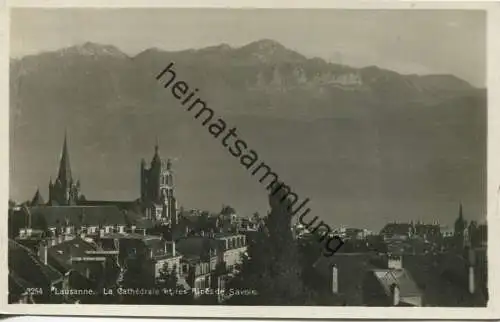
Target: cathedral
x,y
64,191
157,200
157,190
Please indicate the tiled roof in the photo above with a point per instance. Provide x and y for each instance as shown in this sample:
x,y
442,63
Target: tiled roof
x,y
26,265
76,247
226,235
443,279
75,215
194,245
400,277
117,203
351,269
17,284
125,236
157,246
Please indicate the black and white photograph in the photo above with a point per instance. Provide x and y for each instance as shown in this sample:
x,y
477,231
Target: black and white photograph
x,y
247,157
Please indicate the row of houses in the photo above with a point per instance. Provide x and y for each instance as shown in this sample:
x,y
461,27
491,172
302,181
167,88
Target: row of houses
x,y
90,247
371,279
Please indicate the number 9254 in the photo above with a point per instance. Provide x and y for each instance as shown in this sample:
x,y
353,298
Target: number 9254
x,y
34,290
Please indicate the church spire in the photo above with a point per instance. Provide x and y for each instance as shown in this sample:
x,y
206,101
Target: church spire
x,y
156,158
37,199
64,167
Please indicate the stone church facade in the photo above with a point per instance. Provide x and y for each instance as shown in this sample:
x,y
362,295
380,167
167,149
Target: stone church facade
x,y
157,190
157,200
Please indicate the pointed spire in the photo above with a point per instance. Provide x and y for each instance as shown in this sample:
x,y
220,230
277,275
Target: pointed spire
x,y
37,199
460,212
64,174
156,158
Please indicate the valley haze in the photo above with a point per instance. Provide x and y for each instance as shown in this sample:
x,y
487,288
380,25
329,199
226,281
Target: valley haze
x,y
368,145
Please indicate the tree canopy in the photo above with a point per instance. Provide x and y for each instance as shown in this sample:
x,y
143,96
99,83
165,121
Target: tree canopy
x,y
272,265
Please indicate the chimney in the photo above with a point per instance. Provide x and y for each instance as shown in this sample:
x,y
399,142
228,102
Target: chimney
x,y
42,252
395,262
395,294
29,217
170,247
472,263
335,279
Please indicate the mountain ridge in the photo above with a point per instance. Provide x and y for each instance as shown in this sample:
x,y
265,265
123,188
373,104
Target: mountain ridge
x,y
382,145
255,47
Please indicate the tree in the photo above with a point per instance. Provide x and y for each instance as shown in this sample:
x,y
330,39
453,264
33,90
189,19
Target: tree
x,y
170,289
272,265
227,210
136,275
12,203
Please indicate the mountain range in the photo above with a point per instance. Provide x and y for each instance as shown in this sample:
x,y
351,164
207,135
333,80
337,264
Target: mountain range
x,y
367,145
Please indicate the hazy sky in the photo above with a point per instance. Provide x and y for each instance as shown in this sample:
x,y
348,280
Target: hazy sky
x,y
411,41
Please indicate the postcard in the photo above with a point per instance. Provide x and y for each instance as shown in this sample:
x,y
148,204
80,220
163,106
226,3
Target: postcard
x,y
211,160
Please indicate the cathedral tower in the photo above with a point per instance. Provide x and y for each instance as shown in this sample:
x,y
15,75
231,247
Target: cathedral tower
x,y
64,191
157,190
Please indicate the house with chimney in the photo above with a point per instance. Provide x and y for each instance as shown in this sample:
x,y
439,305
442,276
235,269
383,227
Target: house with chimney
x,y
370,279
31,278
148,252
391,286
227,247
84,266
66,222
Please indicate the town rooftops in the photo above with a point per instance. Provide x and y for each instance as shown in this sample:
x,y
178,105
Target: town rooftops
x,y
407,287
441,278
396,229
126,205
27,267
129,236
195,245
17,284
64,252
53,216
225,235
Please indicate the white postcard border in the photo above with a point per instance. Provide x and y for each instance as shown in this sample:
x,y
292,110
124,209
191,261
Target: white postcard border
x,y
312,312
